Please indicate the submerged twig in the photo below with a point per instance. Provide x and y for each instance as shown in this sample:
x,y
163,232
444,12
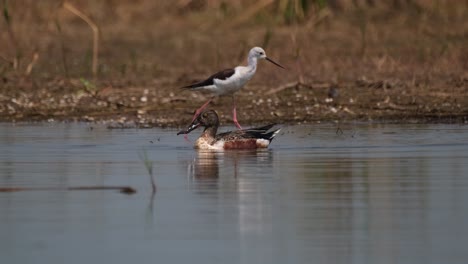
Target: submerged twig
x,y
122,189
149,167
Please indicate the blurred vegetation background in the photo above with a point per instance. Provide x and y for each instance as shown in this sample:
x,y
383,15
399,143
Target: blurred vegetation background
x,y
137,41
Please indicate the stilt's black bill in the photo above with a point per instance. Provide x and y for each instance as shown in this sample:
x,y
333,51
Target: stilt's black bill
x,y
272,61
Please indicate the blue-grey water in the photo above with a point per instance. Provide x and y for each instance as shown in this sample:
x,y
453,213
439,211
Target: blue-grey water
x,y
366,193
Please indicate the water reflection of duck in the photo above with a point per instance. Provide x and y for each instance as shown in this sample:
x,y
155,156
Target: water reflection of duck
x,y
252,138
206,164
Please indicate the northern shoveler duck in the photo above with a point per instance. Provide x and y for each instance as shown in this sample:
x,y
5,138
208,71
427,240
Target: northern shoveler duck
x,y
229,81
252,138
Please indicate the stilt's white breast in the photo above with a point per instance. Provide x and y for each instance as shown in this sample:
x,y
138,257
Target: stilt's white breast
x,y
234,83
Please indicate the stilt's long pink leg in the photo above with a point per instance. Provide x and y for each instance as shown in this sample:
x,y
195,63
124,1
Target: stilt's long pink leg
x,y
197,112
234,114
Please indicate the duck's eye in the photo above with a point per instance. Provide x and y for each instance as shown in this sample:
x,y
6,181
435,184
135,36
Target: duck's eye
x,y
205,115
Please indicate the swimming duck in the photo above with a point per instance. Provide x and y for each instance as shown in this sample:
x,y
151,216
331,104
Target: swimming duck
x,y
252,138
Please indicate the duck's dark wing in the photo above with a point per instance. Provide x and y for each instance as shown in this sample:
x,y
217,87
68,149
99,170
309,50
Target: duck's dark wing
x,y
263,133
257,133
222,75
261,129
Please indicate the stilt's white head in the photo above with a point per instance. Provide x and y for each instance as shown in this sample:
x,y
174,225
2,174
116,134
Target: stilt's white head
x,y
259,53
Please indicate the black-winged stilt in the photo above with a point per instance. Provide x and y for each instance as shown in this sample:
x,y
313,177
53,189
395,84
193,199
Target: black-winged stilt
x,y
229,81
252,138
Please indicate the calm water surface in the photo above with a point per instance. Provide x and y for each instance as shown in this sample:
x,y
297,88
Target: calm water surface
x,y
372,194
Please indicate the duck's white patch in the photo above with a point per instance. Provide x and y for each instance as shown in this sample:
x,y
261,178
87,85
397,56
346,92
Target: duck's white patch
x,y
218,145
204,143
262,143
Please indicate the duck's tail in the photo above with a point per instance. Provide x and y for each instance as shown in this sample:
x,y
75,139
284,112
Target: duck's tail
x,y
262,132
272,134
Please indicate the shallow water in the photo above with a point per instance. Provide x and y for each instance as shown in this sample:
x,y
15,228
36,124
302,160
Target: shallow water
x,y
362,194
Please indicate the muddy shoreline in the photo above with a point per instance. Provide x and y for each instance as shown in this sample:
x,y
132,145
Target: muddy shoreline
x,y
128,106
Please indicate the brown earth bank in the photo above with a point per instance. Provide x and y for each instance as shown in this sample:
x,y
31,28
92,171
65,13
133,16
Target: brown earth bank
x,y
163,104
408,64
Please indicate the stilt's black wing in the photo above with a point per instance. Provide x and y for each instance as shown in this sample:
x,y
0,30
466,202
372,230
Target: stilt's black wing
x,y
222,75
